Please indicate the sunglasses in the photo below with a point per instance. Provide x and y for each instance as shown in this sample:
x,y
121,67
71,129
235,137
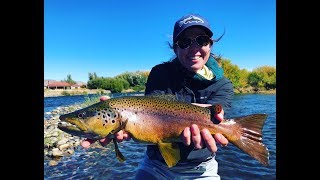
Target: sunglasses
x,y
201,40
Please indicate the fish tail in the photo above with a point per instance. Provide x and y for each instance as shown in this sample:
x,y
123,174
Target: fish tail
x,y
250,140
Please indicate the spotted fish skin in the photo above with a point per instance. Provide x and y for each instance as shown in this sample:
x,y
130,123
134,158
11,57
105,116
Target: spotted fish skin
x,y
160,120
157,120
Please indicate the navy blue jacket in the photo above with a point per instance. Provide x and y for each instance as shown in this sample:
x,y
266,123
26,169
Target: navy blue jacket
x,y
172,78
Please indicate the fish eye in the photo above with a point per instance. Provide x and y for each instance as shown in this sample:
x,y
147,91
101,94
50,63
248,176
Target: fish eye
x,y
81,115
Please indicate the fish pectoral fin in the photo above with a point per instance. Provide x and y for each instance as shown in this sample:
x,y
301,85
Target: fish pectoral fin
x,y
119,155
170,153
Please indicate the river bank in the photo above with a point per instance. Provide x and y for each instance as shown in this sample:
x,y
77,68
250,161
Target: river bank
x,y
251,90
71,92
56,142
83,91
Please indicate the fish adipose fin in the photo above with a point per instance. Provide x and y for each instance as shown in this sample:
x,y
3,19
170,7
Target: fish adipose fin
x,y
119,155
251,137
170,153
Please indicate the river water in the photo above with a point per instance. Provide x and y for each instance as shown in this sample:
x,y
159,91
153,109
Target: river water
x,y
100,163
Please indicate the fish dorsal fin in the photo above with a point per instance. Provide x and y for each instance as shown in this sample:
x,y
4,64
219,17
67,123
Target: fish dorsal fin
x,y
119,155
170,153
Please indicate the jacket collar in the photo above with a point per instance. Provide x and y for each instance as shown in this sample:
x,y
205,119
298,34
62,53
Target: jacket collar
x,y
212,64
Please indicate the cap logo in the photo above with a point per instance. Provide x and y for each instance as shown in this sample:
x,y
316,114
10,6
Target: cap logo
x,y
190,19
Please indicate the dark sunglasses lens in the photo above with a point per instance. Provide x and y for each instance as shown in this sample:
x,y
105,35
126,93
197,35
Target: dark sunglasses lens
x,y
203,40
184,43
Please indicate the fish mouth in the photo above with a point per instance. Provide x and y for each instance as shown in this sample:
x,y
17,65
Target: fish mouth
x,y
73,126
68,126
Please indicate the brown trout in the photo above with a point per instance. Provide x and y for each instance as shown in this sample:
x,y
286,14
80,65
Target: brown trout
x,y
160,120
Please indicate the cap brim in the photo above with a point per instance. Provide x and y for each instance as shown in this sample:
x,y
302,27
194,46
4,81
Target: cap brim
x,y
208,31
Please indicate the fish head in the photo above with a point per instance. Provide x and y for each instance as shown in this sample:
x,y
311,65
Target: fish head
x,y
94,122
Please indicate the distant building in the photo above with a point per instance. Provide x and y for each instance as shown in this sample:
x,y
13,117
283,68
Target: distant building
x,y
53,84
80,84
58,85
48,81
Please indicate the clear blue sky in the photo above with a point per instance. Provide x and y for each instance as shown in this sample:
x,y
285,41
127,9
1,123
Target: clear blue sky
x,y
110,37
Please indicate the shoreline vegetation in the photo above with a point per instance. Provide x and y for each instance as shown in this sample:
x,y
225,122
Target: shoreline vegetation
x,y
259,80
72,92
84,91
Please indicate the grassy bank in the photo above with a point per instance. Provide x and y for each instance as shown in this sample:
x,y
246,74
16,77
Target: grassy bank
x,y
71,92
251,90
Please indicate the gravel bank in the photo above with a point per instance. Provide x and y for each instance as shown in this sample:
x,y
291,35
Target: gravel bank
x,y
56,142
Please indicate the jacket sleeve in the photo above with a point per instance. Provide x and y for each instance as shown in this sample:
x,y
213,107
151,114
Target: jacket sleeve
x,y
223,95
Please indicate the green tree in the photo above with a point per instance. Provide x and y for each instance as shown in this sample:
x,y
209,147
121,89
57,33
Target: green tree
x,y
96,83
263,77
233,73
138,78
70,80
115,85
92,76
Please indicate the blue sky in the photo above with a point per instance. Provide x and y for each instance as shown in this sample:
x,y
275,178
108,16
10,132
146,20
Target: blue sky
x,y
110,37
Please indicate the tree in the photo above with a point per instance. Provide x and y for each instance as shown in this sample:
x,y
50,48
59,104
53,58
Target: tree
x,y
138,78
263,77
92,76
237,76
70,80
